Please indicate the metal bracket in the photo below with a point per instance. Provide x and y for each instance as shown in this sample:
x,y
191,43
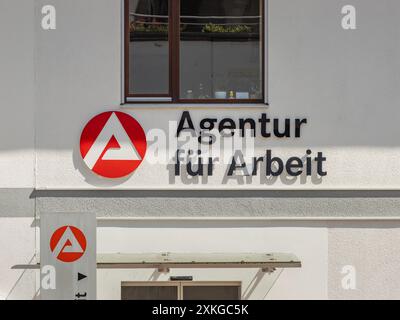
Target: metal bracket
x,y
268,270
163,270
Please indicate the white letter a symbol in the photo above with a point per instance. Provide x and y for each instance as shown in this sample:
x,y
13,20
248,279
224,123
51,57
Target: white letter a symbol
x,y
113,128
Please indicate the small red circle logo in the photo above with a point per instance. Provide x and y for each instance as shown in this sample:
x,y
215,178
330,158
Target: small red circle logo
x,y
68,244
113,145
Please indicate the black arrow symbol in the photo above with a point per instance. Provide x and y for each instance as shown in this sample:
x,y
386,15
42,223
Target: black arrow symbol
x,y
80,295
81,276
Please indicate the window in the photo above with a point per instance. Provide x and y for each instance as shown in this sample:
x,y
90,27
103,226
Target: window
x,y
194,51
181,291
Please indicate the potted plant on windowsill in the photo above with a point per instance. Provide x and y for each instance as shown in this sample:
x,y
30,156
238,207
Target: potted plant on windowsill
x,y
228,32
218,28
149,31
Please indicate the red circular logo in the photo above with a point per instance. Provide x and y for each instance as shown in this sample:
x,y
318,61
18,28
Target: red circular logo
x,y
68,244
113,145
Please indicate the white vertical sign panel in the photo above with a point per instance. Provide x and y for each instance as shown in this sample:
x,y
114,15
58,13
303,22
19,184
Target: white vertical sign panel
x,y
68,256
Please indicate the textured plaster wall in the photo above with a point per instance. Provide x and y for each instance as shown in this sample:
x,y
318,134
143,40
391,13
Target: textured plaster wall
x,y
222,204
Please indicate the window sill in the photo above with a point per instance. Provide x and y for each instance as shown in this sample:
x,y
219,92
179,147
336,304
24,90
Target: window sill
x,y
156,105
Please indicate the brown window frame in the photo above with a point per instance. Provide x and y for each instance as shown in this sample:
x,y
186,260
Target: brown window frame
x,y
174,63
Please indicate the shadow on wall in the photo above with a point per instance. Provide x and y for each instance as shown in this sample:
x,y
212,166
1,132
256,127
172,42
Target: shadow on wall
x,y
91,178
348,89
25,280
256,281
242,178
151,224
212,194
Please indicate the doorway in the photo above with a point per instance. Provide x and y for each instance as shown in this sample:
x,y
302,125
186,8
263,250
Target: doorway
x,y
181,290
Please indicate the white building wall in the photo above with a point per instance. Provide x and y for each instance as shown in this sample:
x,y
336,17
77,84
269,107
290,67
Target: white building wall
x,y
372,249
315,69
208,236
341,81
17,137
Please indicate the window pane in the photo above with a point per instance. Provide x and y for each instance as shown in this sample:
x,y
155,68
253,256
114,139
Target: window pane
x,y
221,49
149,293
211,293
148,47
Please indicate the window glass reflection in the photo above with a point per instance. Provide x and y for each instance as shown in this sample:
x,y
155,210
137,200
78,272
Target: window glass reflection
x,y
221,50
148,47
